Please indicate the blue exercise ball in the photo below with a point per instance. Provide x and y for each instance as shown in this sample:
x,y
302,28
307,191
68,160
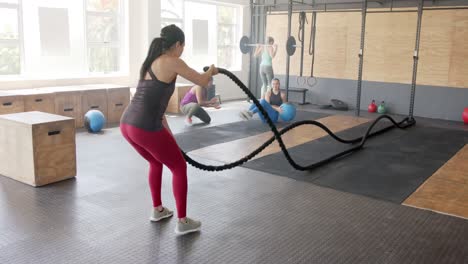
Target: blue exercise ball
x,y
289,112
94,121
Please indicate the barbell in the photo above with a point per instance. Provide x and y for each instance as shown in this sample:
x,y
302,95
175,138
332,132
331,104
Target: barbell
x,y
245,45
290,45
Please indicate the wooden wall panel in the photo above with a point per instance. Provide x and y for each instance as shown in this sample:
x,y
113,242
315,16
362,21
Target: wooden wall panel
x,y
374,55
330,60
390,39
353,43
400,49
435,48
458,73
337,44
389,46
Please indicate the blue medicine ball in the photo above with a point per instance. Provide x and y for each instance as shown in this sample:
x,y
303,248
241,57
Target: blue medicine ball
x,y
289,112
94,121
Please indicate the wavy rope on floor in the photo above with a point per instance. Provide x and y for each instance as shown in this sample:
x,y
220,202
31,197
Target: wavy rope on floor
x,y
405,123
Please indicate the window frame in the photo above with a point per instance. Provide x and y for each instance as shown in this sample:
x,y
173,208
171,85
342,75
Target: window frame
x,y
238,26
18,42
171,20
119,44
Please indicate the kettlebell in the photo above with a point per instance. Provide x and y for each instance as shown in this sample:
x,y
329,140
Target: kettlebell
x,y
465,115
372,108
381,108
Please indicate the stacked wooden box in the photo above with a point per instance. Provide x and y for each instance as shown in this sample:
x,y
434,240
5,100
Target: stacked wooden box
x,y
75,101
179,93
11,102
117,99
70,101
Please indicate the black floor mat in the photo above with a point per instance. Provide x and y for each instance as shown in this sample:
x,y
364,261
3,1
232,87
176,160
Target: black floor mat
x,y
200,138
390,167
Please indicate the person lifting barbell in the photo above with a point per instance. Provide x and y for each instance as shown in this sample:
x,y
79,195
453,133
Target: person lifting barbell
x,y
268,52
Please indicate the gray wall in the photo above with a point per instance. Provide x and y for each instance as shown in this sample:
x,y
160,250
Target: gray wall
x,y
430,101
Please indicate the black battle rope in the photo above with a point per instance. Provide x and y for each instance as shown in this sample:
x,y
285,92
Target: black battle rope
x,y
302,21
277,135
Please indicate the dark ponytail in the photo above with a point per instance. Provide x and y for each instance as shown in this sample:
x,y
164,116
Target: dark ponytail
x,y
170,35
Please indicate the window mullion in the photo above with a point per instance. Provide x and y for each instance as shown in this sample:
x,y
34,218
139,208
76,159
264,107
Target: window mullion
x,y
10,42
116,18
9,5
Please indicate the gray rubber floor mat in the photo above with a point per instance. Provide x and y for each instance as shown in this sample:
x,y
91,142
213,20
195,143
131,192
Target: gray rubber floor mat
x,y
390,167
200,138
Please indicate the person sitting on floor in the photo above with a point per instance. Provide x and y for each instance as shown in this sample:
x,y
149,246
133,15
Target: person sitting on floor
x,y
194,100
274,98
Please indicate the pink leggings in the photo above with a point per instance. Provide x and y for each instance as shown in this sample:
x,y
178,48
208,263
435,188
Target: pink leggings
x,y
158,148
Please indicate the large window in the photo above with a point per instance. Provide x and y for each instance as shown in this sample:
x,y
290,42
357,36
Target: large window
x,y
172,13
10,38
200,35
46,39
228,36
103,28
212,31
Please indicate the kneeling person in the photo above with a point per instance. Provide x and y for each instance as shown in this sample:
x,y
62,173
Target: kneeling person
x,y
191,104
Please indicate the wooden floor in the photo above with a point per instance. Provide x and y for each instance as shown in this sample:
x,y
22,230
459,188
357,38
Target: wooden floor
x,y
237,149
446,191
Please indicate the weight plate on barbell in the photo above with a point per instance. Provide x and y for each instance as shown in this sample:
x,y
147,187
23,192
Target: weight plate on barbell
x,y
291,46
244,45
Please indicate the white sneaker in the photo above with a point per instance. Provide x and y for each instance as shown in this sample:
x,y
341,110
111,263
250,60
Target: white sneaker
x,y
188,226
188,121
245,115
158,216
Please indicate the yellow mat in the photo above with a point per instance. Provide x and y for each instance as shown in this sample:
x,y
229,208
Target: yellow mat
x,y
446,191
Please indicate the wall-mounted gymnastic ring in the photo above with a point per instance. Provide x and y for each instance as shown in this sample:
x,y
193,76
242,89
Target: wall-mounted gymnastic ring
x,y
311,81
301,80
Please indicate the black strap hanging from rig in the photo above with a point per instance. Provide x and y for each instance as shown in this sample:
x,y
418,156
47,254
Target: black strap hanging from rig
x,y
405,123
313,30
301,33
361,57
416,57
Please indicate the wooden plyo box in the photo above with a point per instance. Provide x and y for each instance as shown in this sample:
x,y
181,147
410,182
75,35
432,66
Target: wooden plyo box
x,y
94,99
68,102
37,148
11,103
179,92
118,99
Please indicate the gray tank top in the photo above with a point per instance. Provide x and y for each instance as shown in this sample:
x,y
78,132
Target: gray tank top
x,y
275,99
147,107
